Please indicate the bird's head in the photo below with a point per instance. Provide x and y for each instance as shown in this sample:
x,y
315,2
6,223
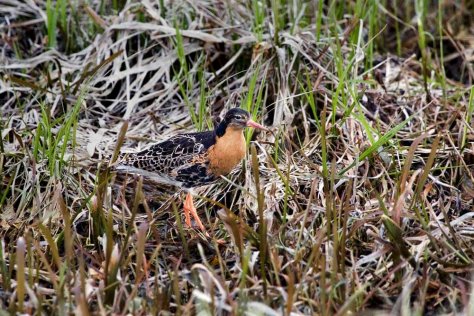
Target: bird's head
x,y
238,119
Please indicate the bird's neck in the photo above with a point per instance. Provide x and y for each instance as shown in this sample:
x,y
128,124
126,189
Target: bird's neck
x,y
228,151
220,129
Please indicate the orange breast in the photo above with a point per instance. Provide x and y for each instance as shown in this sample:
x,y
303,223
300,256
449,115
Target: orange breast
x,y
228,151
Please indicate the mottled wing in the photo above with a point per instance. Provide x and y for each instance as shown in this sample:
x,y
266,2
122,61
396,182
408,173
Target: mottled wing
x,y
180,160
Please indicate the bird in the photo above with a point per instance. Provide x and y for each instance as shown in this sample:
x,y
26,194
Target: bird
x,y
191,160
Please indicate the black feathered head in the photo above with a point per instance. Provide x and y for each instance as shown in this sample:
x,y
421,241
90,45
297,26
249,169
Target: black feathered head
x,y
236,118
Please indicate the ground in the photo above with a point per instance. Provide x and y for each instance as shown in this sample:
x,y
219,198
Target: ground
x,y
359,199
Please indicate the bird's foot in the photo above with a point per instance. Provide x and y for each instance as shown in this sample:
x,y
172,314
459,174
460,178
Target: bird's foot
x,y
189,209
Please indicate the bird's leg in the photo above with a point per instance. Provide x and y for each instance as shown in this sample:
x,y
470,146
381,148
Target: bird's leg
x,y
190,209
186,209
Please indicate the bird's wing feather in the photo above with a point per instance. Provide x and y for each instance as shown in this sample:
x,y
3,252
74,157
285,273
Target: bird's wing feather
x,y
173,158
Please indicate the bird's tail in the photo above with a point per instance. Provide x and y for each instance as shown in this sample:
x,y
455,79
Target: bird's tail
x,y
124,162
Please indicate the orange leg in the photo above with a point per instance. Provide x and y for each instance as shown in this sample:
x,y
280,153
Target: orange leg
x,y
190,209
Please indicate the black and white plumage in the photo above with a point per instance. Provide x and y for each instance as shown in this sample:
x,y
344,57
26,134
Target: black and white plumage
x,y
180,160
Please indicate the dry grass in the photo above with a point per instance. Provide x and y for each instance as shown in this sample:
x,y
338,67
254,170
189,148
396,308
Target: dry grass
x,y
360,200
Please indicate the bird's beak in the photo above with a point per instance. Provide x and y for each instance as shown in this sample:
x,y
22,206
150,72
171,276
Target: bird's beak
x,y
253,124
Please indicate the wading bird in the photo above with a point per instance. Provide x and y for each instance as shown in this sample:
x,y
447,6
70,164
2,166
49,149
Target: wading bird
x,y
193,159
